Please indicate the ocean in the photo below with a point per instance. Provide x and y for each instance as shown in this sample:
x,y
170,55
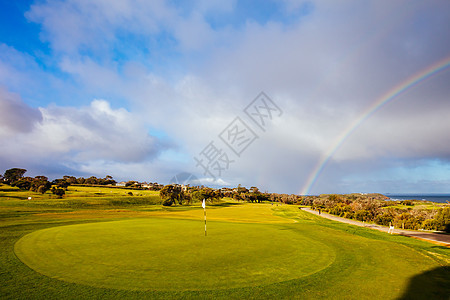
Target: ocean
x,y
439,198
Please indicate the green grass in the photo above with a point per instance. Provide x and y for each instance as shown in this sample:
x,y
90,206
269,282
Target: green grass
x,y
79,197
417,205
255,251
162,254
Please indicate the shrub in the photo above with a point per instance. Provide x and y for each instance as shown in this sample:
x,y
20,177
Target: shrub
x,y
349,215
429,224
42,189
58,192
168,202
384,219
362,215
23,184
409,221
340,209
443,219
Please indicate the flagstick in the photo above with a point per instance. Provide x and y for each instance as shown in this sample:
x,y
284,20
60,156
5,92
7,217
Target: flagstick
x,y
205,219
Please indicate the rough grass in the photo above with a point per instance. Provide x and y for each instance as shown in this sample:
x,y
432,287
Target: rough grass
x,y
365,264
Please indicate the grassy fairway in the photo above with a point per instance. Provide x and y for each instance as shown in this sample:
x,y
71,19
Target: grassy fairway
x,y
251,251
78,197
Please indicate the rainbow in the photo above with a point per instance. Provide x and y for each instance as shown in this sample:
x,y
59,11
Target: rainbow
x,y
390,95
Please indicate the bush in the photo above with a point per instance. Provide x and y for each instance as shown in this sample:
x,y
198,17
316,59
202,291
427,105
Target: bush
x,y
197,196
22,184
171,194
429,224
42,189
168,202
349,215
409,221
59,192
362,215
443,219
384,219
340,209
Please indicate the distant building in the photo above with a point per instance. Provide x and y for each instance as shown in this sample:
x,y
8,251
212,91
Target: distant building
x,y
122,183
154,186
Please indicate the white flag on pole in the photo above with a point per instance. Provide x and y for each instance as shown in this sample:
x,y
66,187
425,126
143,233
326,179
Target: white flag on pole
x,y
203,203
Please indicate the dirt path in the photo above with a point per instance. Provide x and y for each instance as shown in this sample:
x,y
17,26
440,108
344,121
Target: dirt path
x,y
436,238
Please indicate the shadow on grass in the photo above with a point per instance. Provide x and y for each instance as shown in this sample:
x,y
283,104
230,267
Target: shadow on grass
x,y
440,247
225,204
447,232
15,197
433,284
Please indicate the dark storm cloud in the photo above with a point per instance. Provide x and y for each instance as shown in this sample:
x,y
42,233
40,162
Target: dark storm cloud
x,y
15,115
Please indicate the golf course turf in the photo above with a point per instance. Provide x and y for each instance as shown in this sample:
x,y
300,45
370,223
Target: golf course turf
x,y
258,251
162,254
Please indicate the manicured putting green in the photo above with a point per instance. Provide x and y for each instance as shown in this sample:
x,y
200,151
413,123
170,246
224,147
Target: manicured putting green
x,y
170,254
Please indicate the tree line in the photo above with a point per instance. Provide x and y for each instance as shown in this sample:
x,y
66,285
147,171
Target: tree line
x,y
173,194
15,177
179,194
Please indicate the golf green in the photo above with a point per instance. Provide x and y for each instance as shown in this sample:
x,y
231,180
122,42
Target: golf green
x,y
172,254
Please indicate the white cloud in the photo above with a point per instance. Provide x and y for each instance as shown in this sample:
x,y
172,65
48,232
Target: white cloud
x,y
73,26
83,136
97,132
95,27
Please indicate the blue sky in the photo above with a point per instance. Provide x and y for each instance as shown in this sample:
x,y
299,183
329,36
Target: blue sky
x,y
138,90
